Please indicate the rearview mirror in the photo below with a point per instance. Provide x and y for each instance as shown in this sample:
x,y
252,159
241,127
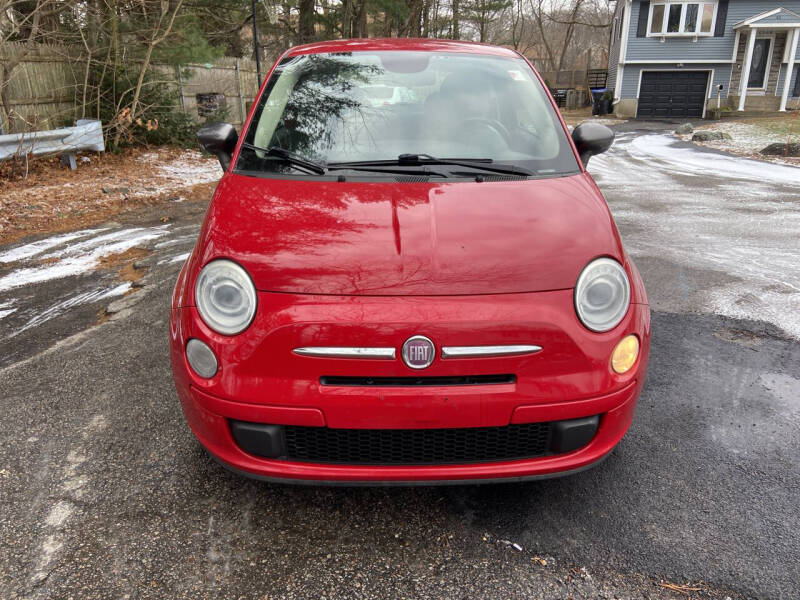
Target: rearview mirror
x,y
590,139
220,140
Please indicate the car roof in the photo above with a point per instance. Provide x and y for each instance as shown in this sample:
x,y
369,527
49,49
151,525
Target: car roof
x,y
410,44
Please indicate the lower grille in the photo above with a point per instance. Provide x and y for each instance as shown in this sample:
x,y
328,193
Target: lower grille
x,y
416,446
416,381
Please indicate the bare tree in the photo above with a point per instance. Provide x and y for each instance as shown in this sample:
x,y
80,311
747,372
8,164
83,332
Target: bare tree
x,y
564,29
161,30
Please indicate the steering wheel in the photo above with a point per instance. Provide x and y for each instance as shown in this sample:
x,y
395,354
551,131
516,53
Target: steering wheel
x,y
492,124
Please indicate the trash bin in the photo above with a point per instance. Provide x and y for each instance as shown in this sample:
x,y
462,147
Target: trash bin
x,y
597,103
572,99
560,96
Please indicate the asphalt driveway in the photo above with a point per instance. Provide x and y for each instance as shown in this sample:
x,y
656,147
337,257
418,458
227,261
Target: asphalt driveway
x,y
105,493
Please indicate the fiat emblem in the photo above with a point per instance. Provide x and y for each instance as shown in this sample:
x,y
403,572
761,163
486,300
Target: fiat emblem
x,y
418,352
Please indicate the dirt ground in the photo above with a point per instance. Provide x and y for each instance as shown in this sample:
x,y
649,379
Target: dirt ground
x,y
44,197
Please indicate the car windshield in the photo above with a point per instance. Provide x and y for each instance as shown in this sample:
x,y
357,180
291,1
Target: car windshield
x,y
375,106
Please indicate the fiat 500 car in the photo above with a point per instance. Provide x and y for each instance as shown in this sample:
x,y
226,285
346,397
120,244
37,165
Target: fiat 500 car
x,y
406,275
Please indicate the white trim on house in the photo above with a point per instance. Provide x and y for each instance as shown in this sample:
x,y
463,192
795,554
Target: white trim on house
x,y
623,49
745,72
755,18
775,25
751,22
789,68
709,83
672,61
626,26
681,34
786,45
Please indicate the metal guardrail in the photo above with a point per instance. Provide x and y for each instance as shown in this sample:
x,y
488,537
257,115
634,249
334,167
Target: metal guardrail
x,y
86,135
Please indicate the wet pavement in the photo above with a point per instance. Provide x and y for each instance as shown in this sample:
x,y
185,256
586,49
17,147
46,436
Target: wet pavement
x,y
105,493
58,285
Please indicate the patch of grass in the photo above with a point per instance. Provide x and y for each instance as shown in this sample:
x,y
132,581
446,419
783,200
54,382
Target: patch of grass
x,y
778,125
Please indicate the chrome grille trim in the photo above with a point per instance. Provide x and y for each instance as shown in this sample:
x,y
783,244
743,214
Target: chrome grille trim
x,y
488,351
346,352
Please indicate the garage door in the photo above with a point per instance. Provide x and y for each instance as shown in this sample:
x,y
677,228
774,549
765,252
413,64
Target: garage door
x,y
672,94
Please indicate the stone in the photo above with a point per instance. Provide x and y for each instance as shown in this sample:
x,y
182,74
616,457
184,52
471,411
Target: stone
x,y
710,136
122,304
684,129
780,149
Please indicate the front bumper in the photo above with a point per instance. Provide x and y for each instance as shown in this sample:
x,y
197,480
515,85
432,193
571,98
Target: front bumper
x,y
262,382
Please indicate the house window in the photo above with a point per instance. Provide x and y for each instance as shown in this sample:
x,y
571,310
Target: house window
x,y
682,19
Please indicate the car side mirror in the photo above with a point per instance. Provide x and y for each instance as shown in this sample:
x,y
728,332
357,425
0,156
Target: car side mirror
x,y
220,140
591,139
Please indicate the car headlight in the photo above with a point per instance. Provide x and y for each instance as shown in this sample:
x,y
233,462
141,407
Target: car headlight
x,y
225,297
602,294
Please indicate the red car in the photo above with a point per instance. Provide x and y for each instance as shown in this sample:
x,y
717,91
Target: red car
x,y
406,275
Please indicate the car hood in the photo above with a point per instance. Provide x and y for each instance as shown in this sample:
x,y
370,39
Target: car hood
x,y
453,238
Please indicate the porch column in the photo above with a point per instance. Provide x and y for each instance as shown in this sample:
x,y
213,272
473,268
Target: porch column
x,y
789,68
748,60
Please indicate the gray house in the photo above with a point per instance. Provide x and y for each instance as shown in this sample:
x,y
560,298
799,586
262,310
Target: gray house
x,y
676,59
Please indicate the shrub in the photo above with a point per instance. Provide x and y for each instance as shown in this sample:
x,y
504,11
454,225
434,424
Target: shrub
x,y
158,119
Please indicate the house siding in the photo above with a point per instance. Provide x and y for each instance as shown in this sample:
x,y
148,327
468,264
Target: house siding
x,y
616,45
716,50
793,81
705,48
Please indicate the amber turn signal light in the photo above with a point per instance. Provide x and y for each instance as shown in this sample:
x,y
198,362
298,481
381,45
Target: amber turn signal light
x,y
625,354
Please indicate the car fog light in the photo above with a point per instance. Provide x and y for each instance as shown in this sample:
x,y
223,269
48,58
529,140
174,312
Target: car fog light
x,y
201,358
625,354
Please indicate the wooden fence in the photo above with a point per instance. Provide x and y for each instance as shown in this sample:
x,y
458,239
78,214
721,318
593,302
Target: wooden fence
x,y
564,79
46,89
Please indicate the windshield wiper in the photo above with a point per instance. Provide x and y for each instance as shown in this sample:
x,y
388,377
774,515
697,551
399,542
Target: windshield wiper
x,y
379,166
290,157
480,164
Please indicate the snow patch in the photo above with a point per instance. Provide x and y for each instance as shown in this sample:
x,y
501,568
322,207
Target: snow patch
x,y
81,257
59,514
83,298
180,257
173,259
685,159
34,248
175,241
189,168
6,308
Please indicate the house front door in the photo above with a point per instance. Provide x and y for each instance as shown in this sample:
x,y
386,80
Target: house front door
x,y
760,64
